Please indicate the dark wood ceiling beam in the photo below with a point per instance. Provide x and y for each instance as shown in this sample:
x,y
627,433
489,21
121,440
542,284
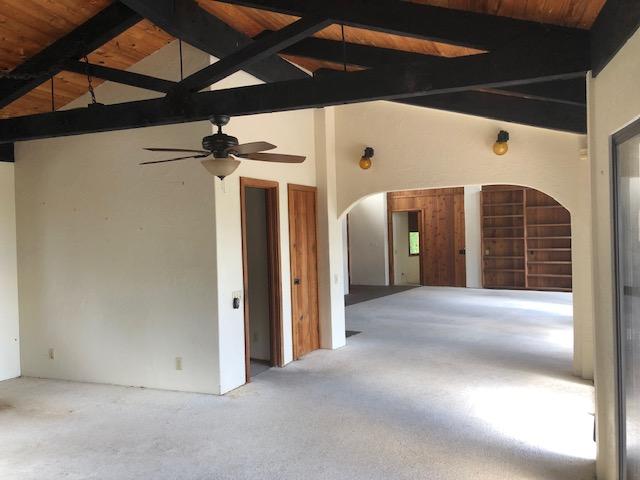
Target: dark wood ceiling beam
x,y
7,152
469,29
521,66
121,76
568,92
94,33
255,99
572,92
185,19
569,118
252,52
617,22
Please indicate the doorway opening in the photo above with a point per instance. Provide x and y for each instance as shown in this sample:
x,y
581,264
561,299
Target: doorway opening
x,y
261,275
436,233
405,243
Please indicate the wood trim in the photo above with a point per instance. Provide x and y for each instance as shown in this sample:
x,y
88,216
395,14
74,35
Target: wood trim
x,y
348,254
292,187
390,255
275,271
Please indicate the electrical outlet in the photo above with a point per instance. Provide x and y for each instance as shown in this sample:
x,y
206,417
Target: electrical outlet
x,y
52,354
178,363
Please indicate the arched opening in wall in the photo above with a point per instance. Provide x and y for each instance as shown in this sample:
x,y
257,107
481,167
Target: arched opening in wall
x,y
486,339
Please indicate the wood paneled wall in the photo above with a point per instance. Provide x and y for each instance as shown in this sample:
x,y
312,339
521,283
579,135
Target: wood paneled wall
x,y
442,240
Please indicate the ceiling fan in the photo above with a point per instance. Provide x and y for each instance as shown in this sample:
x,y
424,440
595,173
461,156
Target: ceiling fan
x,y
224,149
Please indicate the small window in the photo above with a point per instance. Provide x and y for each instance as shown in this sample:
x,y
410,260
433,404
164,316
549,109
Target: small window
x,y
414,234
414,243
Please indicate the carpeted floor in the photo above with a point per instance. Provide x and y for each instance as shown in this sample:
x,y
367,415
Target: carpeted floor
x,y
442,384
364,293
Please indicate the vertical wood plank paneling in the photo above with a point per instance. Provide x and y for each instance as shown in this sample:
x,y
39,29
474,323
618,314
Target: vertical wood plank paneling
x,y
441,232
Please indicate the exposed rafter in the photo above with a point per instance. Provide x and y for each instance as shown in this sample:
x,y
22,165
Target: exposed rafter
x,y
94,33
186,20
121,76
572,92
520,66
253,52
570,118
470,29
617,22
354,53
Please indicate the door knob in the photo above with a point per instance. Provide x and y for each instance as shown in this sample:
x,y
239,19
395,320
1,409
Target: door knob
x,y
296,281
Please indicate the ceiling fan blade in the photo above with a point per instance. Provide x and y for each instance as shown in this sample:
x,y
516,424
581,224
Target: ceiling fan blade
x,y
275,157
252,147
174,159
176,150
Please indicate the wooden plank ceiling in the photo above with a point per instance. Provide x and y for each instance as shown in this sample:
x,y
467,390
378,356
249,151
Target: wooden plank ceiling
x,y
28,26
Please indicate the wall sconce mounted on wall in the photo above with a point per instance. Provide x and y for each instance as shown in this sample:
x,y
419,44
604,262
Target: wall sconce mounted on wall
x,y
365,161
501,146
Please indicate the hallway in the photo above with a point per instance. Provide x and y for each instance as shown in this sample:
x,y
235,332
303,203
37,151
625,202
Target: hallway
x,y
442,384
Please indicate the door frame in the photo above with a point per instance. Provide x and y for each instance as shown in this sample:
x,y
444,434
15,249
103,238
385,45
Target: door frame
x,y
272,191
617,139
292,187
390,240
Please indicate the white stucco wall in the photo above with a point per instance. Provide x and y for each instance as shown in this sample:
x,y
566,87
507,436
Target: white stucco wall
x,y
422,148
123,268
614,102
117,261
9,328
368,240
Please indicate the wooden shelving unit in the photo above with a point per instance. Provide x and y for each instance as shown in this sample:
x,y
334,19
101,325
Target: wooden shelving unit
x,y
526,240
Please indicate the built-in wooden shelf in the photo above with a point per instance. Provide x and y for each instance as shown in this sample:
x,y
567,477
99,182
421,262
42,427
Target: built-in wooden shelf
x,y
515,204
545,206
551,275
550,238
520,270
536,225
550,262
536,252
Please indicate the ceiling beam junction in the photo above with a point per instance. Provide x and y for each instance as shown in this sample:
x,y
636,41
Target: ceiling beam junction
x,y
186,20
252,52
121,76
94,33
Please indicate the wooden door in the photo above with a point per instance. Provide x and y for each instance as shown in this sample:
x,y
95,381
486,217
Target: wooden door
x,y
304,269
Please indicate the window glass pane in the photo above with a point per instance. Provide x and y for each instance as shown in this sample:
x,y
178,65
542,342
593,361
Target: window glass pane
x,y
628,284
414,243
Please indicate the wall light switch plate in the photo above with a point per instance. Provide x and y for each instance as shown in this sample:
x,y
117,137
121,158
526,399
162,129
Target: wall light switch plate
x,y
52,354
178,363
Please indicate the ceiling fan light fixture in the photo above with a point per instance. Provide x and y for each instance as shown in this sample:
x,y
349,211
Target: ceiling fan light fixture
x,y
221,167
